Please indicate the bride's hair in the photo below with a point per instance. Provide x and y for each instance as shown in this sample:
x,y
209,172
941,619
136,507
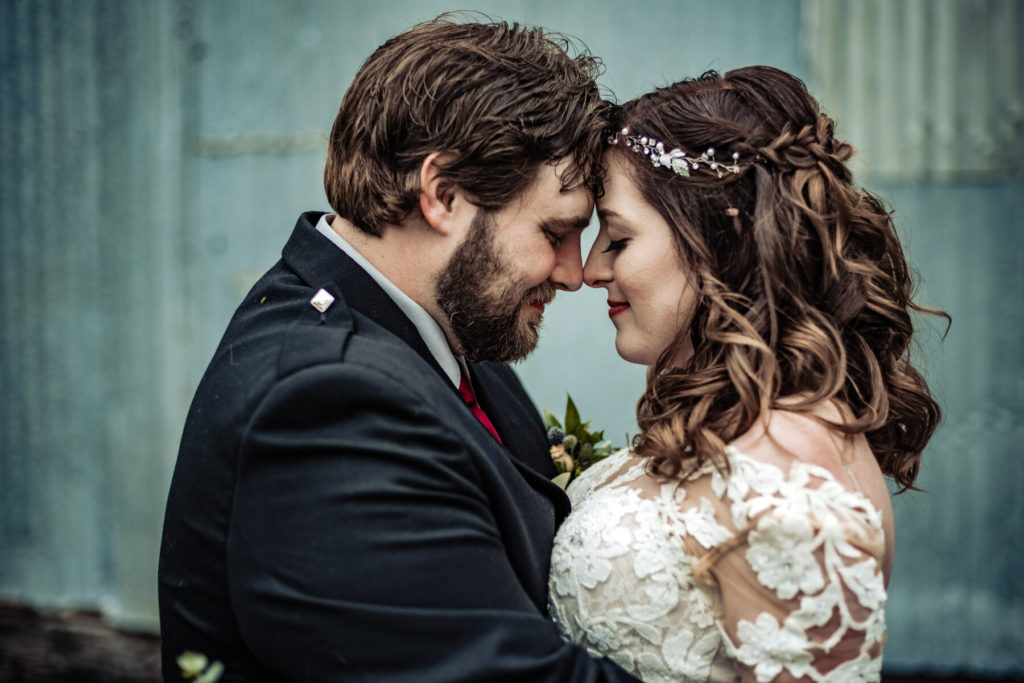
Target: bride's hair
x,y
804,290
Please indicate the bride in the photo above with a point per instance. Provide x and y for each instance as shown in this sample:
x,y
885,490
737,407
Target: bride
x,y
748,533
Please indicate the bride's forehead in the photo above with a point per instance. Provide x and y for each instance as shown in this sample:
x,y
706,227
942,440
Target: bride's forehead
x,y
621,196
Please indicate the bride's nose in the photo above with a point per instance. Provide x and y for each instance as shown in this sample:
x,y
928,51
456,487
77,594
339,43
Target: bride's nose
x,y
597,270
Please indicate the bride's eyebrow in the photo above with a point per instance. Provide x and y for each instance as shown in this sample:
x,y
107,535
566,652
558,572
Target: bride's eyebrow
x,y
605,214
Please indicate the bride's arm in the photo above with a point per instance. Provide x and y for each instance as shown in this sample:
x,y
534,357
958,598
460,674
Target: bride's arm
x,y
802,593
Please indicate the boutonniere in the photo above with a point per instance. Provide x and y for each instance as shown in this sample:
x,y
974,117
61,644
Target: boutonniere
x,y
196,665
574,447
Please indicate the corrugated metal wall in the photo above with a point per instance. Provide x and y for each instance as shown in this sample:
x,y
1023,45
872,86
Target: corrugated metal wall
x,y
931,89
931,94
95,337
154,155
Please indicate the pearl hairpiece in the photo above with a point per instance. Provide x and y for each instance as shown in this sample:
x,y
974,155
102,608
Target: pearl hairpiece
x,y
676,160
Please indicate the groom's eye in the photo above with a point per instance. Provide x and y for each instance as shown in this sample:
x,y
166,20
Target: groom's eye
x,y
554,237
616,245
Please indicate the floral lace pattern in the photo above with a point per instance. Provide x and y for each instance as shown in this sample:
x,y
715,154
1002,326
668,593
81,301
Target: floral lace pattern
x,y
759,571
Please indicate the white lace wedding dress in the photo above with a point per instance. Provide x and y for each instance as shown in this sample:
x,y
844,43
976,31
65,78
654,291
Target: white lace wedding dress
x,y
773,574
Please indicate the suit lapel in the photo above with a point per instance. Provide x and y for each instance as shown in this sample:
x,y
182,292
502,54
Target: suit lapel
x,y
318,261
517,426
521,431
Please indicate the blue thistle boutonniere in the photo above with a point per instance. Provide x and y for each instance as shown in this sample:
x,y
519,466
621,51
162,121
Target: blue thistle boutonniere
x,y
574,447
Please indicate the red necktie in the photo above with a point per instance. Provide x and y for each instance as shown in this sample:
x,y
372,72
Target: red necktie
x,y
466,391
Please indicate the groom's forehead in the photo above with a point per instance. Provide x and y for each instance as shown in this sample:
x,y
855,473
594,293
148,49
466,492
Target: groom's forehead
x,y
564,205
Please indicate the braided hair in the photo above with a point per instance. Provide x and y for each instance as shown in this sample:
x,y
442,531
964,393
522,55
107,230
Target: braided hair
x,y
804,290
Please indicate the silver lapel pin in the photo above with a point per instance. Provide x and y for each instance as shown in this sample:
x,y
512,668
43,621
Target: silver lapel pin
x,y
321,301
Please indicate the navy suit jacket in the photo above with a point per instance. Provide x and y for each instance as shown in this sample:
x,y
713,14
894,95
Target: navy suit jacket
x,y
338,514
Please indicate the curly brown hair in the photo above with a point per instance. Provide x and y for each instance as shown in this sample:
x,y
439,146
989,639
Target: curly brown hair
x,y
503,98
804,290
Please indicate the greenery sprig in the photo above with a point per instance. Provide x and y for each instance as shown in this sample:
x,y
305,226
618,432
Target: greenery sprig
x,y
196,665
574,447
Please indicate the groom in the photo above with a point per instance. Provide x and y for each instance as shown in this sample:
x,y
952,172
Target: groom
x,y
362,491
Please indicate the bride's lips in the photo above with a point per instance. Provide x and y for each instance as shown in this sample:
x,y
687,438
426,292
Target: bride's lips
x,y
616,307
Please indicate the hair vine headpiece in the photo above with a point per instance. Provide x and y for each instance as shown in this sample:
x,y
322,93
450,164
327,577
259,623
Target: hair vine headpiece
x,y
676,160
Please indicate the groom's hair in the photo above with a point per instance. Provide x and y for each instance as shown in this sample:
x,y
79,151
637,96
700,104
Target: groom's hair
x,y
502,98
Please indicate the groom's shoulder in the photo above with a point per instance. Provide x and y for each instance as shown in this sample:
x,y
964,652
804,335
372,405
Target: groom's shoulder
x,y
339,336
318,334
286,331
348,349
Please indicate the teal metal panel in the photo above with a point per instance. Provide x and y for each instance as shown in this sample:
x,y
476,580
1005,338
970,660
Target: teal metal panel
x,y
957,593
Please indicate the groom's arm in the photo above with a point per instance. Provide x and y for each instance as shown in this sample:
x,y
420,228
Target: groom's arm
x,y
363,546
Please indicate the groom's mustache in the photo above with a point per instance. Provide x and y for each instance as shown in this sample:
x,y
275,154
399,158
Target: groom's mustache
x,y
542,294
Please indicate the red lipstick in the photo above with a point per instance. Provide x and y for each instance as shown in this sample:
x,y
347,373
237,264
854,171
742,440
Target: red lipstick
x,y
616,307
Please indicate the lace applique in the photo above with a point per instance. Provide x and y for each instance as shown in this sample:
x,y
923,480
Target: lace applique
x,y
781,553
700,523
768,647
623,582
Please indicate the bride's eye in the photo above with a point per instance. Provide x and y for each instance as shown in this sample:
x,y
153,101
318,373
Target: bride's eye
x,y
616,245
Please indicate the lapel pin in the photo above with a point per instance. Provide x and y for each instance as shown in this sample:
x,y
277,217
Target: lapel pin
x,y
322,300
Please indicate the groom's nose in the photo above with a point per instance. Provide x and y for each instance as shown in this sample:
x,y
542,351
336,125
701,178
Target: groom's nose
x,y
568,271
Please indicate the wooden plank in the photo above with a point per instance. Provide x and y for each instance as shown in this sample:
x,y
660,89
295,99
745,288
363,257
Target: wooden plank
x,y
74,646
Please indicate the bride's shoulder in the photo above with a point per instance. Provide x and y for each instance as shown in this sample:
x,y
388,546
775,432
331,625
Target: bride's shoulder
x,y
786,437
837,469
620,465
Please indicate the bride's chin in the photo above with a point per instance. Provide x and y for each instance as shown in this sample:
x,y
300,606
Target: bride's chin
x,y
631,355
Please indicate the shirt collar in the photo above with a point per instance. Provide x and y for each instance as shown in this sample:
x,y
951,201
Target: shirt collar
x,y
429,330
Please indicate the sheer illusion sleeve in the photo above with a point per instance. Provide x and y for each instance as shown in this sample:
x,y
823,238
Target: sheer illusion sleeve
x,y
799,580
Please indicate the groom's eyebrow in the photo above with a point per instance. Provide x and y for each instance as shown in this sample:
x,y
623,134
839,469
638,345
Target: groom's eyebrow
x,y
566,224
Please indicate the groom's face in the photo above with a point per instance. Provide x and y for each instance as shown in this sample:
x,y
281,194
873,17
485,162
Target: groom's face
x,y
498,281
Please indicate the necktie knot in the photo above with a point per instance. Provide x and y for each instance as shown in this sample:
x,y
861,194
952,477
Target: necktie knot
x,y
466,391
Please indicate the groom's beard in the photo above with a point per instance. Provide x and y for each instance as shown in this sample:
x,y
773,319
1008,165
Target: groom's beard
x,y
486,308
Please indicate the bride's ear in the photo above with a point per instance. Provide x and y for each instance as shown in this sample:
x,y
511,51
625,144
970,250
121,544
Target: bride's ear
x,y
444,205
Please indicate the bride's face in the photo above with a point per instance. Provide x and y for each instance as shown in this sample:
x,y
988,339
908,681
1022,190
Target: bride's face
x,y
651,293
